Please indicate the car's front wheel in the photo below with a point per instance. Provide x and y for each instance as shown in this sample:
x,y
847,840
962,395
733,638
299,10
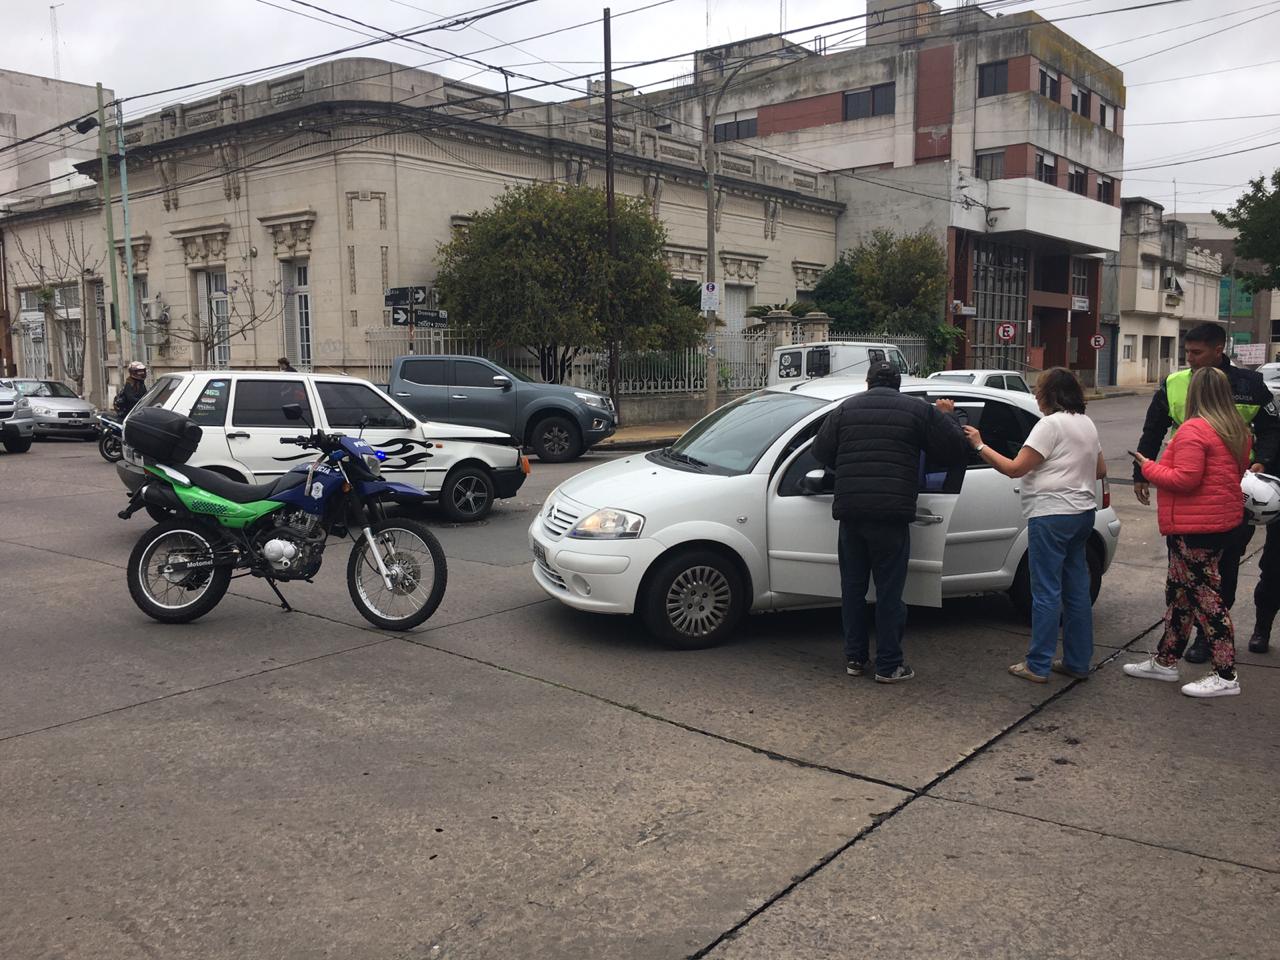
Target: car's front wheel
x,y
18,444
1020,591
556,440
694,599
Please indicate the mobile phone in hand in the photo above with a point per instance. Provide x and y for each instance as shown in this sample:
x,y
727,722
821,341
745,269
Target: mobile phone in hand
x,y
1132,454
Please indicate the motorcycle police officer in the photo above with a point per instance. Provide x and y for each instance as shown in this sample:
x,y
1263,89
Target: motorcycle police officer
x,y
134,389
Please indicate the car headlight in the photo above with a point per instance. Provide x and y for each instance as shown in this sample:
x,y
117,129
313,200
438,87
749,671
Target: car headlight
x,y
374,463
42,411
592,399
608,524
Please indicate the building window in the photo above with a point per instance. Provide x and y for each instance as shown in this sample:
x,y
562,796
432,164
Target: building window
x,y
1080,100
990,166
1046,168
1130,343
993,78
1106,190
1050,84
297,312
214,317
735,129
999,296
1079,277
1078,179
1148,276
1107,115
877,101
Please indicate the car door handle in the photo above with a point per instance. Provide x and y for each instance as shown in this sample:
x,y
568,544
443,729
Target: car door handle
x,y
401,394
238,435
458,396
927,518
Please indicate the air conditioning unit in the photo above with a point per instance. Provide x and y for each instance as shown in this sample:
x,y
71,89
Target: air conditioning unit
x,y
155,311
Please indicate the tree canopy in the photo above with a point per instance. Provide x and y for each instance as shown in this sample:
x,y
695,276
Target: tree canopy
x,y
1255,217
534,271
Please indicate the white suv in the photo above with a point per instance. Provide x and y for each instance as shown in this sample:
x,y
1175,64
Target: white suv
x,y
724,521
240,411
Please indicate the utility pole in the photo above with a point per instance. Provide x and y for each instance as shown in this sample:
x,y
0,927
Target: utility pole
x,y
53,36
111,234
615,343
135,345
709,167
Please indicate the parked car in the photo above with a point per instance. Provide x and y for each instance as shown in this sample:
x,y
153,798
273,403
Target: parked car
x,y
996,379
17,422
464,468
558,423
849,358
58,410
724,522
1271,374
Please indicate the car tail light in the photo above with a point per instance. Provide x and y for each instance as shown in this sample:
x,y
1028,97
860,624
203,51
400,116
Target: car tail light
x,y
1106,493
524,465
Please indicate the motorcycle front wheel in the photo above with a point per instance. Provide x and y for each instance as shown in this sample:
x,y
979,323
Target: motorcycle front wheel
x,y
416,566
110,448
182,595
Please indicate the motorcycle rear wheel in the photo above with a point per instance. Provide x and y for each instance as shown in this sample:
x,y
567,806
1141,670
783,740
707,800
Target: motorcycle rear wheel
x,y
176,597
416,562
110,448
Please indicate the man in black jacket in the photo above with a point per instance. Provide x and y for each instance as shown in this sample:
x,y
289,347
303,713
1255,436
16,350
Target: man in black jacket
x,y
1204,346
874,442
134,389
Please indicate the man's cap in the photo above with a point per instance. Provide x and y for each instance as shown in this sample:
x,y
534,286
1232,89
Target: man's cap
x,y
882,373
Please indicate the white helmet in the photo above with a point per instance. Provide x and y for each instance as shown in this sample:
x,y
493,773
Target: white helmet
x,y
1261,498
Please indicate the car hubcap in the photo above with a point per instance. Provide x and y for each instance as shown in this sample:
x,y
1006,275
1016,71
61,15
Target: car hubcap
x,y
698,601
556,440
470,495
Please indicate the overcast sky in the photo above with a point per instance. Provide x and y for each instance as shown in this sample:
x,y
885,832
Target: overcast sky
x,y
143,45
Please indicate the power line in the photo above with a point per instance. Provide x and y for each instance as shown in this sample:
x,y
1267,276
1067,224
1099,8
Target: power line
x,y
1183,26
1212,33
1207,73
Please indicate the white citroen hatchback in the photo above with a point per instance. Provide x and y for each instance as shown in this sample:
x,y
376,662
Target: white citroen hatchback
x,y
723,522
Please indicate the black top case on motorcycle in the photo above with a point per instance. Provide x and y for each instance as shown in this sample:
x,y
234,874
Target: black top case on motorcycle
x,y
162,435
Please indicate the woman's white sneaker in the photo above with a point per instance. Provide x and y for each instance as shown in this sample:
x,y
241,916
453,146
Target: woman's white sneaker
x,y
1212,686
1152,669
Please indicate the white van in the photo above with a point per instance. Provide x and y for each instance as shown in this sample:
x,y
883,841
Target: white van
x,y
845,358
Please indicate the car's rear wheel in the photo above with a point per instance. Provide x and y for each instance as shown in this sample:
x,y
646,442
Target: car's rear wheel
x,y
1020,592
467,494
694,599
556,440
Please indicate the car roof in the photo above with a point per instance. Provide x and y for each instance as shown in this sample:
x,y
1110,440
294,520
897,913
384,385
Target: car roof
x,y
976,371
837,343
839,388
265,375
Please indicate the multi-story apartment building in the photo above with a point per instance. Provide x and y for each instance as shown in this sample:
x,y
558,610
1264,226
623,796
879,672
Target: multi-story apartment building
x,y
1248,317
1165,285
1002,136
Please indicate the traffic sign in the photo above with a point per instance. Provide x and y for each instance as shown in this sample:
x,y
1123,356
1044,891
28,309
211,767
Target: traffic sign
x,y
404,296
1097,341
711,295
401,316
435,319
1006,332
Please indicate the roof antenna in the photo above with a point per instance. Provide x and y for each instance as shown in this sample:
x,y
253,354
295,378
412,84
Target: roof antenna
x,y
53,29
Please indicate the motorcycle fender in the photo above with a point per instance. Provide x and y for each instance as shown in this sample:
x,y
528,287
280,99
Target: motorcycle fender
x,y
399,492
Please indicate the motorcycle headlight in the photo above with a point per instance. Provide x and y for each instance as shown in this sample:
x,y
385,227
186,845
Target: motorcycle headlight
x,y
608,524
373,463
592,399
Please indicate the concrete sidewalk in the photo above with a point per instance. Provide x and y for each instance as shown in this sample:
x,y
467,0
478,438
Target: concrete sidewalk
x,y
651,435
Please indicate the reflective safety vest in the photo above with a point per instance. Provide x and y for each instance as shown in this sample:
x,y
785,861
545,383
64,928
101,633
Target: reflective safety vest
x,y
1176,387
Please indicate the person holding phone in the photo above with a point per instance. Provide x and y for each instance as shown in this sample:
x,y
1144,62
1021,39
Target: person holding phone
x,y
1200,506
1061,463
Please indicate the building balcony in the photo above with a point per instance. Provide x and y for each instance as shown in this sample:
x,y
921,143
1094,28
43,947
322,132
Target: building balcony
x,y
1027,206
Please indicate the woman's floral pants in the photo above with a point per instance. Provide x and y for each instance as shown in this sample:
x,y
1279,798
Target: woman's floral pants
x,y
1192,594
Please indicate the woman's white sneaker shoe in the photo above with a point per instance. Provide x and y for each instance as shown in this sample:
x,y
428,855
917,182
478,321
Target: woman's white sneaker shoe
x,y
1152,669
1212,686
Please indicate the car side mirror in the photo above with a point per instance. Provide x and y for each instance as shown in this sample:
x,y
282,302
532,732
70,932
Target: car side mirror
x,y
292,411
814,482
500,381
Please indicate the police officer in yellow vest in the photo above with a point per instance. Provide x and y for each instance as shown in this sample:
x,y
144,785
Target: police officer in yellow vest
x,y
1204,348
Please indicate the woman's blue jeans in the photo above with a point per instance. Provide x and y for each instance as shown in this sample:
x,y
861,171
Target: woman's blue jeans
x,y
1060,591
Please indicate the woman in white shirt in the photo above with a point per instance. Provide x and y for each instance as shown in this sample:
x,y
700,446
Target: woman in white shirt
x,y
1060,463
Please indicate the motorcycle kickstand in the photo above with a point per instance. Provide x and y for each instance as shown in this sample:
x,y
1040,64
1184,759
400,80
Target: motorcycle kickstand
x,y
276,590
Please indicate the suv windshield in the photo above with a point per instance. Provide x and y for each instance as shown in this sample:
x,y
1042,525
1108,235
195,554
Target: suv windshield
x,y
45,388
732,439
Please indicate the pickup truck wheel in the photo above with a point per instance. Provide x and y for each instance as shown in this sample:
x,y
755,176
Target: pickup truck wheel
x,y
556,440
1020,591
467,494
18,444
694,599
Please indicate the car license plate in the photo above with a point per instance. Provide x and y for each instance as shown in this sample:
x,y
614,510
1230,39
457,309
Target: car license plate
x,y
539,553
128,454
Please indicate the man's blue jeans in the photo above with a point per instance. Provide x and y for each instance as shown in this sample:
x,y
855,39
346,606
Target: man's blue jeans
x,y
881,549
1060,591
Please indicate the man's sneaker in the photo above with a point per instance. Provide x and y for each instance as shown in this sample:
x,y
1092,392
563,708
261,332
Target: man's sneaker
x,y
856,668
1198,652
1212,686
1152,669
900,674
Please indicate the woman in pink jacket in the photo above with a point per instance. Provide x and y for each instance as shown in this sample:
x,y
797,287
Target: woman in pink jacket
x,y
1199,502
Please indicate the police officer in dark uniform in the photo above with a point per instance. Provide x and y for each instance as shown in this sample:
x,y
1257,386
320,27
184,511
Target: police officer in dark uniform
x,y
134,389
1204,346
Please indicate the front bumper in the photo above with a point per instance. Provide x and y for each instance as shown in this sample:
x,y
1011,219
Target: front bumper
x,y
600,576
506,481
60,427
131,476
15,427
598,427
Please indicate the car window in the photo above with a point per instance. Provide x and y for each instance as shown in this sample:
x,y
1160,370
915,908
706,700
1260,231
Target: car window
x,y
258,403
160,393
210,409
1016,384
469,373
818,362
789,485
428,373
900,362
790,364
996,381
733,438
874,355
347,404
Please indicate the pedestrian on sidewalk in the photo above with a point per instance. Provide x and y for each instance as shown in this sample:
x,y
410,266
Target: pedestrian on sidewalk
x,y
874,441
1200,507
1204,346
1060,463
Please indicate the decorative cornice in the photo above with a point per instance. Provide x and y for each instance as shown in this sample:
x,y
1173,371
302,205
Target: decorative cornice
x,y
807,273
203,244
742,267
290,232
140,247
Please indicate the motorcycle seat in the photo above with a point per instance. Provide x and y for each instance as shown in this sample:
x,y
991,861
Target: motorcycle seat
x,y
238,492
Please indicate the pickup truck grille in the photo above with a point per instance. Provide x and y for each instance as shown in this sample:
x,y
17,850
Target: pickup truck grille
x,y
558,520
6,411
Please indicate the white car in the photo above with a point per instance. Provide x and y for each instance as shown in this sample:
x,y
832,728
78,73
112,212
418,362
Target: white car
x,y
723,522
240,412
996,379
1271,374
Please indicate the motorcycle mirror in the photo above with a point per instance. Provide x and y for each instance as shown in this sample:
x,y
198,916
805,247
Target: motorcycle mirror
x,y
293,411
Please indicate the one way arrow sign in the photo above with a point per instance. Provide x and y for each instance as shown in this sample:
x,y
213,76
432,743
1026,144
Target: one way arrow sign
x,y
400,317
419,295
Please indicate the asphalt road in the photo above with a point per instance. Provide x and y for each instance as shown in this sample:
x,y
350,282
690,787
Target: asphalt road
x,y
517,779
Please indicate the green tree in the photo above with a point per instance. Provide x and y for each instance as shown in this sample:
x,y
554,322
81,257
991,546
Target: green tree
x,y
1255,217
891,284
534,271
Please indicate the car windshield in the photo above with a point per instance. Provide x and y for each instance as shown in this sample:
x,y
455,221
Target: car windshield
x,y
45,388
954,377
732,439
